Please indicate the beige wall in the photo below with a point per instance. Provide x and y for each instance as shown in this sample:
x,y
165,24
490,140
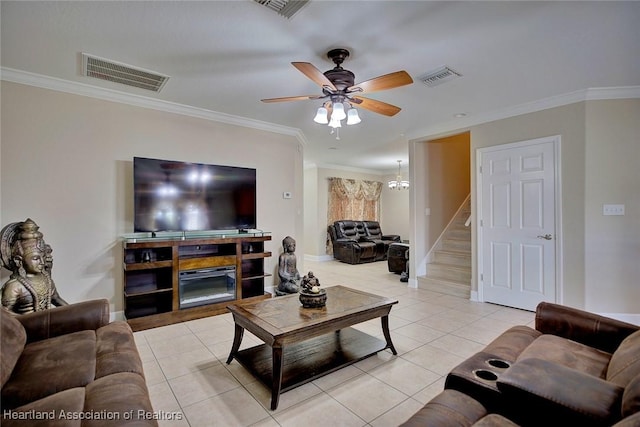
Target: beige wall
x,y
598,160
448,180
568,122
394,207
67,164
612,243
394,212
313,237
441,184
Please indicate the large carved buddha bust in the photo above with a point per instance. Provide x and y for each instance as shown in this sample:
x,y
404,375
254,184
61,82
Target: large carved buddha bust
x,y
24,252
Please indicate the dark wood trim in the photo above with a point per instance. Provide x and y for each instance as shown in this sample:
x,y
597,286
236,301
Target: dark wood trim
x,y
162,304
178,316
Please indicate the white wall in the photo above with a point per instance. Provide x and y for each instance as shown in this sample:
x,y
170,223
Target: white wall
x,y
67,164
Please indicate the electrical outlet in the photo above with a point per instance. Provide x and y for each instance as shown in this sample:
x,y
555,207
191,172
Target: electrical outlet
x,y
612,209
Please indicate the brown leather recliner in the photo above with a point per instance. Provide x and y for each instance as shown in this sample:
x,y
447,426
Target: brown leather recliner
x,y
373,233
575,367
352,245
71,364
349,244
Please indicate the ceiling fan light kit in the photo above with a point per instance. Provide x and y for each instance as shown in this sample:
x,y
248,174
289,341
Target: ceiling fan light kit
x,y
338,111
338,87
352,117
321,116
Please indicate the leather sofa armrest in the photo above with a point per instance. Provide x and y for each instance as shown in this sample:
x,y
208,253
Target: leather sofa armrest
x,y
392,237
86,315
543,392
449,408
603,333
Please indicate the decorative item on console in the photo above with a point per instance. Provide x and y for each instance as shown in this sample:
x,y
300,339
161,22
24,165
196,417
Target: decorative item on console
x,y
24,252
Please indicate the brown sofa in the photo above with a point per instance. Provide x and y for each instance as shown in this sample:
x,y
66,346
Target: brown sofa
x,y
356,242
574,368
68,366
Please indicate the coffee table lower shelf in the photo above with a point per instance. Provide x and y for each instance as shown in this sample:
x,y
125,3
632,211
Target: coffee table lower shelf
x,y
307,360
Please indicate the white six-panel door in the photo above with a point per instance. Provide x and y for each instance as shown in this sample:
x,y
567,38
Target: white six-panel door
x,y
517,223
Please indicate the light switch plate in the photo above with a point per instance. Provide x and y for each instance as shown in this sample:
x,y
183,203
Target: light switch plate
x,y
612,209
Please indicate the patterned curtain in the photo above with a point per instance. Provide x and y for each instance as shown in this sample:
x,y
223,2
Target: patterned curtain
x,y
352,199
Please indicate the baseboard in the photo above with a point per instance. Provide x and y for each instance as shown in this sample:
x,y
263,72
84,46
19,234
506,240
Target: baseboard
x,y
624,317
632,318
318,258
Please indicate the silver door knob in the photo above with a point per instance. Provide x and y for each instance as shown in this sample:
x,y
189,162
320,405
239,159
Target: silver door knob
x,y
545,237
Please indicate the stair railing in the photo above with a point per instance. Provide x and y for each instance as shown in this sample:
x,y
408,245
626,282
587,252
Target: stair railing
x,y
438,242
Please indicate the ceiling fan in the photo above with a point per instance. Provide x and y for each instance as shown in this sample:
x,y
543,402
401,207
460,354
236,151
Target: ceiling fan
x,y
338,85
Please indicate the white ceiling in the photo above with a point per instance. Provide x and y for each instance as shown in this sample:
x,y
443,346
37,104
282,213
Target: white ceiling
x,y
225,56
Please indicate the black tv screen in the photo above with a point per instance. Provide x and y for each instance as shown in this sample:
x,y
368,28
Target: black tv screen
x,y
180,196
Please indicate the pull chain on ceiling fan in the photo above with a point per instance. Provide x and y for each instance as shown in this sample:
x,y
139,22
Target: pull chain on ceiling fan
x,y
339,90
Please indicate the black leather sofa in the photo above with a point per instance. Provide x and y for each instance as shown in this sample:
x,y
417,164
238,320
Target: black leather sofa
x,y
356,242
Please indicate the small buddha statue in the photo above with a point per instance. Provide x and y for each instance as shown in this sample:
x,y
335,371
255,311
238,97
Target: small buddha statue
x,y
310,283
24,252
287,268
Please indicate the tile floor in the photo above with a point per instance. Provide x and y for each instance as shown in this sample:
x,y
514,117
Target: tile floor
x,y
190,382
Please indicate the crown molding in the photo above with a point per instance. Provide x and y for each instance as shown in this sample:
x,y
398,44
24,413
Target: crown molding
x,y
313,165
622,92
591,94
83,89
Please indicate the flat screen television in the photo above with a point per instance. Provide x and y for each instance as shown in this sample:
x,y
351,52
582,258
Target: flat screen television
x,y
180,196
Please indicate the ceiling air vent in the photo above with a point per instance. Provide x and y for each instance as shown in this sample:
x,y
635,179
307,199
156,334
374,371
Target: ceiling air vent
x,y
439,76
286,8
105,69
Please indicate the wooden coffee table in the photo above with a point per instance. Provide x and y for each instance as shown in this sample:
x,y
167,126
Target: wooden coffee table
x,y
302,344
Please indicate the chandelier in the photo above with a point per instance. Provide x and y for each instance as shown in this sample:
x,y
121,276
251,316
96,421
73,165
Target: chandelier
x,y
338,113
398,183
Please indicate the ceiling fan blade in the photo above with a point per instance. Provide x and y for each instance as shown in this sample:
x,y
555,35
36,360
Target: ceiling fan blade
x,y
314,74
375,106
293,98
388,81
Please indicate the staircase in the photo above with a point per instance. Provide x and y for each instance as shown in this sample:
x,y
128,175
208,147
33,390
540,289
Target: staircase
x,y
449,271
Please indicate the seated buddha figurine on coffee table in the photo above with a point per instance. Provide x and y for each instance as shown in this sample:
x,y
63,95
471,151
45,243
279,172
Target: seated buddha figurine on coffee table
x,y
24,252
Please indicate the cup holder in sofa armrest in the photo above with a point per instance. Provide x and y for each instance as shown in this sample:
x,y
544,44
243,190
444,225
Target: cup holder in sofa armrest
x,y
477,377
499,363
485,374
